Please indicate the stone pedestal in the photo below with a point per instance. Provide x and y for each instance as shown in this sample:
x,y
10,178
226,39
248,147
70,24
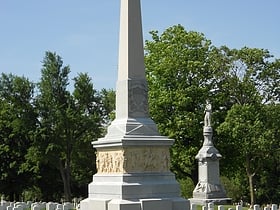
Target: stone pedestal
x,y
133,173
209,188
133,159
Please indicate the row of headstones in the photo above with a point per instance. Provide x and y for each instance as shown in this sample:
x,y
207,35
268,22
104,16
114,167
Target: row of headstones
x,y
210,206
4,205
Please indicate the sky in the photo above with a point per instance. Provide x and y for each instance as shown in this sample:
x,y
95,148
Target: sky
x,y
85,33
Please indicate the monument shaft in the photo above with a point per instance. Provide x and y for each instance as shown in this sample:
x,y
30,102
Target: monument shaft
x,y
131,53
131,95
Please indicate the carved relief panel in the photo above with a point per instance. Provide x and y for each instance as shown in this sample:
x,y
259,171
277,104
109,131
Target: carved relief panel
x,y
132,160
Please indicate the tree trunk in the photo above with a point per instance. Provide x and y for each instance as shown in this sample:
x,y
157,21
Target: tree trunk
x,y
65,175
250,178
252,192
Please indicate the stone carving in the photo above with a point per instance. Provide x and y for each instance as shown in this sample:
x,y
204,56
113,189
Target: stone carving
x,y
207,116
138,99
128,160
109,161
207,187
200,187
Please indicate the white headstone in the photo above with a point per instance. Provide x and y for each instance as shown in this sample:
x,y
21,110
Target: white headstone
x,y
210,206
274,207
221,207
51,206
59,207
256,207
35,207
68,206
193,206
238,207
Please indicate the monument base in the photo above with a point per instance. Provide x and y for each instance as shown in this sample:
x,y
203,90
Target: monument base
x,y
139,191
141,204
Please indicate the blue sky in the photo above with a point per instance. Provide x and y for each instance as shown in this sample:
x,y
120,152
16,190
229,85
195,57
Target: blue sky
x,y
85,33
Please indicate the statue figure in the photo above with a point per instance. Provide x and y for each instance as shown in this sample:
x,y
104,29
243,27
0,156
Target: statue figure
x,y
207,111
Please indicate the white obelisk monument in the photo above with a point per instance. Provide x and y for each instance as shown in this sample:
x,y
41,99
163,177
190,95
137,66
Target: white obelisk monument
x,y
133,158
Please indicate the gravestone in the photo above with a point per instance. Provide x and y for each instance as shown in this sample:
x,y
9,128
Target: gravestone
x,y
133,159
59,207
51,206
274,207
35,207
209,188
68,206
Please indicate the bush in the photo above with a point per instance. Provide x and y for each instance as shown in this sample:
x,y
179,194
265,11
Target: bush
x,y
187,187
32,194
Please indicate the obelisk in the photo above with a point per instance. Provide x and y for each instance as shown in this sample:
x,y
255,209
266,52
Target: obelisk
x,y
133,158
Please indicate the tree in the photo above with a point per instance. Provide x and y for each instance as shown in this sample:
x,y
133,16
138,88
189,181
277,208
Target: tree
x,y
68,123
87,121
268,187
18,121
53,103
248,138
108,104
245,133
183,69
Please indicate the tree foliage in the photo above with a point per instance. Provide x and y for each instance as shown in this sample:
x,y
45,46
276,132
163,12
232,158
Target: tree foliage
x,y
18,120
183,70
68,123
45,138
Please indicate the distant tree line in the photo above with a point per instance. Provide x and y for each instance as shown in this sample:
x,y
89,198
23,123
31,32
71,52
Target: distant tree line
x,y
46,130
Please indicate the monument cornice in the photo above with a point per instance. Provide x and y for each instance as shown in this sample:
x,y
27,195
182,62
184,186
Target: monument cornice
x,y
133,140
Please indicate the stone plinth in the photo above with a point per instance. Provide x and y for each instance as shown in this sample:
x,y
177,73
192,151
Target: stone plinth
x,y
134,186
209,188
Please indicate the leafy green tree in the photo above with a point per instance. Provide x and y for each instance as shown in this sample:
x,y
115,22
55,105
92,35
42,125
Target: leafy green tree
x,y
53,103
108,103
183,70
245,125
247,137
87,121
68,124
268,186
18,121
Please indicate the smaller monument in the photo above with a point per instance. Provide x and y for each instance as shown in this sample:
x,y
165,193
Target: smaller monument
x,y
209,188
